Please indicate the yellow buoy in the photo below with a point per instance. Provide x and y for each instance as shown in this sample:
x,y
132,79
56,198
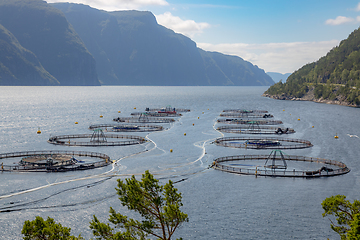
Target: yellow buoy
x,y
119,111
193,124
312,126
202,112
208,109
336,136
101,116
134,107
198,117
283,110
184,134
298,119
171,150
38,131
76,122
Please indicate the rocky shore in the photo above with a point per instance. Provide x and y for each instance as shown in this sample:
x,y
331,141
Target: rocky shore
x,y
309,96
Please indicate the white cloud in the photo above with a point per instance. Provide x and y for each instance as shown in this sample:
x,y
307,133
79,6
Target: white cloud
x,y
358,7
275,57
187,27
113,5
339,20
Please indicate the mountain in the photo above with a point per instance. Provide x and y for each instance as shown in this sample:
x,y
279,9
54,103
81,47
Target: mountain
x,y
131,48
278,76
334,78
44,31
19,66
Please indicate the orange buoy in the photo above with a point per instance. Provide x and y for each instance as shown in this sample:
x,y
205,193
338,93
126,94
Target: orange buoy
x,y
76,122
101,116
38,131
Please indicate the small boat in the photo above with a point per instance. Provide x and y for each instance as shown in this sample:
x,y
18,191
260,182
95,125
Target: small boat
x,y
167,110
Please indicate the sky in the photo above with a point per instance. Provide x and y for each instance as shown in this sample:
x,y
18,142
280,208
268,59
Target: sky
x,y
276,35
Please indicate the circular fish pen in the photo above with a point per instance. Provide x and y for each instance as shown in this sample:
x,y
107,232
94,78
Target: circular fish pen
x,y
280,165
244,111
97,139
53,161
263,143
143,119
247,121
255,129
161,109
127,128
246,115
158,114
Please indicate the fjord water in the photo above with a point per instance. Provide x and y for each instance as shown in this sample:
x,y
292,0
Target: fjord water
x,y
220,205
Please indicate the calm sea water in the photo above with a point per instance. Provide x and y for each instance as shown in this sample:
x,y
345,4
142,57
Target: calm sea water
x,y
220,205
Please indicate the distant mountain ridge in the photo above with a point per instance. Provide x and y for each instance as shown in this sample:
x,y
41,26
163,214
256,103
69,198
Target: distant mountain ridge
x,y
74,44
278,76
334,78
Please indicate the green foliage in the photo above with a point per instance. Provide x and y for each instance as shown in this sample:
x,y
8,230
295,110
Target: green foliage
x,y
340,67
46,230
347,216
158,206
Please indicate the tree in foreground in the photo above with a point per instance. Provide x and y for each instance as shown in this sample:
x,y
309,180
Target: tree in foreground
x,y
158,207
347,216
46,230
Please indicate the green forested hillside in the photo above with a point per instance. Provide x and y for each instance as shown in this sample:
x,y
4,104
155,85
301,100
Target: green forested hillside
x,y
335,76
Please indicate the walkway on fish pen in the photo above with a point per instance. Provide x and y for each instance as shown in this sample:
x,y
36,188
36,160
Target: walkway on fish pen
x,y
48,166
261,170
262,143
127,128
246,115
95,140
248,121
251,129
245,111
143,120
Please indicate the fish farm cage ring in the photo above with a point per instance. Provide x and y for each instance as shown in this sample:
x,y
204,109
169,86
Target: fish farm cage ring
x,y
143,120
244,111
157,114
263,143
160,109
246,115
255,130
96,140
247,121
295,166
53,161
127,128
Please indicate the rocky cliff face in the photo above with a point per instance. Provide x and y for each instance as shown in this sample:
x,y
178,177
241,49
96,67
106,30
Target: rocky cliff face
x,y
19,66
130,48
45,32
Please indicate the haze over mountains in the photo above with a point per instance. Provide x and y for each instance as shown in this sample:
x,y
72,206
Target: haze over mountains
x,y
74,44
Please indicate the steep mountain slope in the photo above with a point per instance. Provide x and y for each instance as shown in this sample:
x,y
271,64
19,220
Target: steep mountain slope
x,y
130,48
19,66
334,77
45,31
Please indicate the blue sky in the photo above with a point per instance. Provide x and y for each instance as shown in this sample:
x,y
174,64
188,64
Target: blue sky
x,y
277,35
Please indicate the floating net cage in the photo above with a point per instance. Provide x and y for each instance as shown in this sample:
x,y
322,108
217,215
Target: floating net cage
x,y
246,115
255,129
263,143
244,111
127,128
278,164
143,118
53,161
157,114
247,121
96,139
167,108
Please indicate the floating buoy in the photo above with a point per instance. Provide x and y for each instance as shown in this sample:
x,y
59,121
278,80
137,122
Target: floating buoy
x,y
198,117
202,112
171,150
38,131
336,136
76,122
312,126
101,116
208,109
119,111
283,110
184,134
298,119
134,107
193,124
